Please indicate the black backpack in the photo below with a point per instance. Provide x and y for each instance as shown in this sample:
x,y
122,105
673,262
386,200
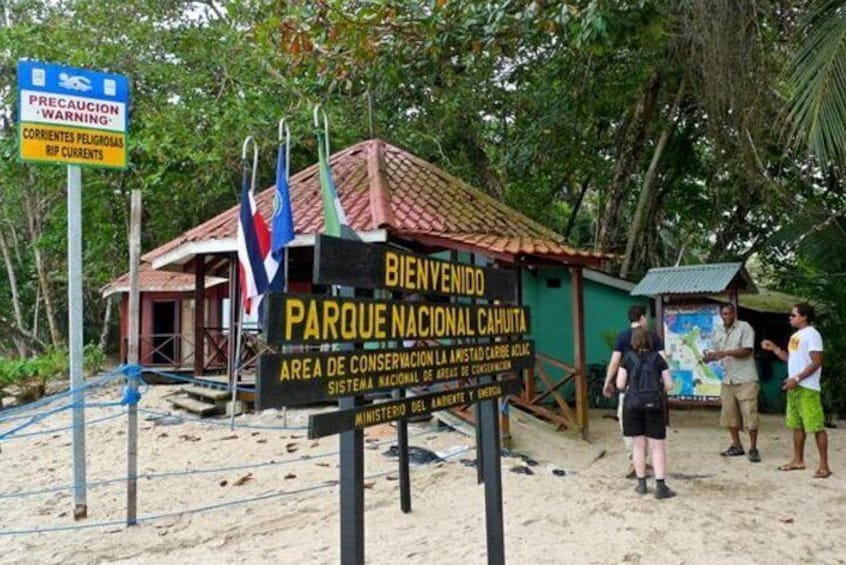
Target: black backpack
x,y
643,383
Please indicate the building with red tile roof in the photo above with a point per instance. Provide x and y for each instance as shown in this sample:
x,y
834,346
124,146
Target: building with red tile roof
x,y
389,195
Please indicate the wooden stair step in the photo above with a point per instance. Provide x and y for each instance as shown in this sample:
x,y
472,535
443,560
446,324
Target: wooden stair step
x,y
208,393
195,406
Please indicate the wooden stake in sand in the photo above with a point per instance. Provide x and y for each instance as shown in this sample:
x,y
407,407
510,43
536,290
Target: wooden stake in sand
x,y
132,358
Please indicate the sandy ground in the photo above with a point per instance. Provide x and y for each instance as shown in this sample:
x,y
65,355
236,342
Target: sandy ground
x,y
727,511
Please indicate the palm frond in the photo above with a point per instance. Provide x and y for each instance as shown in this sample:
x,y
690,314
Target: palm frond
x,y
817,99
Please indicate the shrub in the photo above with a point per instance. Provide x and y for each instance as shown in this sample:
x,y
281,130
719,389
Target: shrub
x,y
95,359
30,375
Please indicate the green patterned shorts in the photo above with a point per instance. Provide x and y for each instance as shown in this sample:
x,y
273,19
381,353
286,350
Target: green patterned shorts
x,y
804,410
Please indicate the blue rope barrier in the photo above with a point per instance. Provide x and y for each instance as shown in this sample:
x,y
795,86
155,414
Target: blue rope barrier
x,y
200,509
165,474
66,407
36,419
62,429
131,395
192,380
8,413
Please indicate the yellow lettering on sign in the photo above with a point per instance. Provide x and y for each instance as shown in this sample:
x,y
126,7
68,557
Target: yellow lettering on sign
x,y
391,269
413,273
408,279
449,399
380,313
378,414
350,385
343,320
312,323
491,391
330,316
445,281
294,315
350,322
76,146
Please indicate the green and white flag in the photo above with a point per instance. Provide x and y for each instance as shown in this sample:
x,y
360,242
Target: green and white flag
x,y
334,219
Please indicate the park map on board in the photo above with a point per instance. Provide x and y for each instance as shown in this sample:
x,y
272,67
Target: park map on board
x,y
688,332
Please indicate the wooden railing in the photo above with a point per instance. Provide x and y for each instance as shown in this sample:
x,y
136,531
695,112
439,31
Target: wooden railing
x,y
553,374
176,352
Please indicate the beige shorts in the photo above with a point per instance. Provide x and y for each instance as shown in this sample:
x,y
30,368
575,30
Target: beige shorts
x,y
738,401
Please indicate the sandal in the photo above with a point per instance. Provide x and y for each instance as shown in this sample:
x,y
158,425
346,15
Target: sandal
x,y
733,451
791,467
822,474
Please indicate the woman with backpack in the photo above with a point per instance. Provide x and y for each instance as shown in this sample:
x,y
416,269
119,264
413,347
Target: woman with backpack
x,y
645,377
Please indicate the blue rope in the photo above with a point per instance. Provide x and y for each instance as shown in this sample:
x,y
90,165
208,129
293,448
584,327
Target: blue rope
x,y
210,384
210,470
167,474
34,420
8,413
62,429
131,395
200,509
132,390
37,418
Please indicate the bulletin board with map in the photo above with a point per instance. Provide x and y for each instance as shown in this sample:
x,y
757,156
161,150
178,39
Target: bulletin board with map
x,y
688,332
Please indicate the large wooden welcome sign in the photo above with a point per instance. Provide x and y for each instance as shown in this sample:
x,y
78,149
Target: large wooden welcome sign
x,y
317,319
469,341
302,378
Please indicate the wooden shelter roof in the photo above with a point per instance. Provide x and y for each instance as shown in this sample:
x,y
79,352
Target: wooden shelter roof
x,y
712,278
388,193
150,280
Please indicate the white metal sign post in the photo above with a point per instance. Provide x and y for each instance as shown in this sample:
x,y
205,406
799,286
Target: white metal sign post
x,y
75,117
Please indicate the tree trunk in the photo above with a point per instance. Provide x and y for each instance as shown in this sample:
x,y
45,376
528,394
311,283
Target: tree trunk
x,y
21,332
646,198
735,224
628,155
487,178
107,320
33,215
13,281
571,221
36,310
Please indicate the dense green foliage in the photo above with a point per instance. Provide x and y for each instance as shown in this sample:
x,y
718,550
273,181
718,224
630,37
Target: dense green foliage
x,y
28,377
665,131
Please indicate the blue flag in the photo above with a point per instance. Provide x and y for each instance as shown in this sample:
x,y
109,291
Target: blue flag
x,y
282,231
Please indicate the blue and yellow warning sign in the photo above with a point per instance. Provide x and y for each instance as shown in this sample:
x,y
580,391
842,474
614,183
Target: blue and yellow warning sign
x,y
72,116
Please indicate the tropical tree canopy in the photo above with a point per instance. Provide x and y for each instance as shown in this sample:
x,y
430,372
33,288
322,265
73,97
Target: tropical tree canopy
x,y
666,132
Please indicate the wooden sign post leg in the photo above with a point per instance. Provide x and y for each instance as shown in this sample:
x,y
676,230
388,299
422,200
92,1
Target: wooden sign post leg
x,y
352,491
404,475
489,424
480,446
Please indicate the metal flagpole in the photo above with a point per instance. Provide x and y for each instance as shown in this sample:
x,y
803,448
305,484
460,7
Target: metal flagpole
x,y
236,365
351,443
285,134
80,509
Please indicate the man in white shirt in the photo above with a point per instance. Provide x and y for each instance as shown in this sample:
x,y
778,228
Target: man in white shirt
x,y
804,415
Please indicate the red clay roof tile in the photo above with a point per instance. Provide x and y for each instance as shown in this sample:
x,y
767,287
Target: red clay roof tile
x,y
382,186
150,280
